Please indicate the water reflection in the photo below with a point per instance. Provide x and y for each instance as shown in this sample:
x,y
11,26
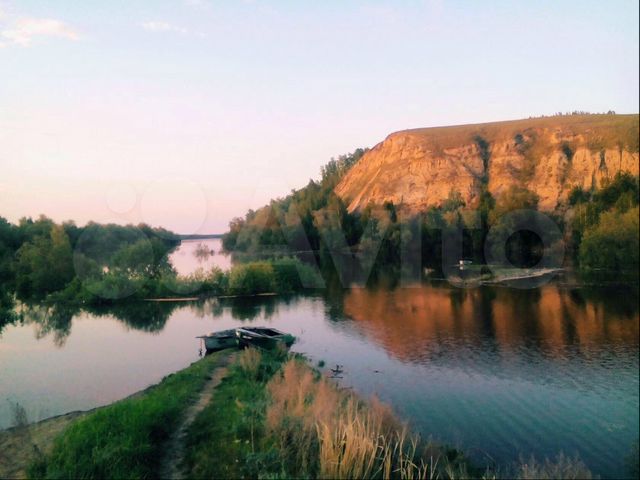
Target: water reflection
x,y
491,369
192,255
56,320
146,316
412,323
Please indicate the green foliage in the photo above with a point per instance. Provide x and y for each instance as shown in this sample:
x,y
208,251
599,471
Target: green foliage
x,y
44,260
40,259
9,243
515,198
44,264
453,202
289,224
113,286
134,259
7,313
227,439
616,197
333,171
252,278
612,244
623,186
578,195
484,149
125,440
292,275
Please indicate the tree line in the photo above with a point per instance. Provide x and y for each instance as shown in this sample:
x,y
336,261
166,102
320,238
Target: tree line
x,y
597,229
62,268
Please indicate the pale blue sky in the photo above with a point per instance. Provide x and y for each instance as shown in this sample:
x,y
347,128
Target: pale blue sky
x,y
188,112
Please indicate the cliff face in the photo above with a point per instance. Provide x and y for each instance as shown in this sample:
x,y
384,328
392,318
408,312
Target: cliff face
x,y
416,169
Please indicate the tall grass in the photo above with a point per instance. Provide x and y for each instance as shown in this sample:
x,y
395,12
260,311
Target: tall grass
x,y
561,467
321,431
275,417
249,362
324,432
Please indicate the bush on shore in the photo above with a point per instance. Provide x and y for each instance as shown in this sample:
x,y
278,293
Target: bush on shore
x,y
283,275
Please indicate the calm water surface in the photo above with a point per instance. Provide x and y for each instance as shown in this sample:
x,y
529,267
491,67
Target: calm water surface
x,y
498,372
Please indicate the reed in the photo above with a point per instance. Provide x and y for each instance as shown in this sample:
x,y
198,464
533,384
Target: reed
x,y
276,417
562,466
325,432
249,361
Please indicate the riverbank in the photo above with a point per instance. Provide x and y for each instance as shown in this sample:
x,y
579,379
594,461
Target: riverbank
x,y
268,414
23,444
128,438
284,419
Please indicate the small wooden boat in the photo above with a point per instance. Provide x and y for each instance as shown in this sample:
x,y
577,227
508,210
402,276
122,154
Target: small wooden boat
x,y
220,340
262,337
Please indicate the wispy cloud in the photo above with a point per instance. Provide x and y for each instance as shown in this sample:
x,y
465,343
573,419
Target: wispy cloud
x,y
22,31
160,26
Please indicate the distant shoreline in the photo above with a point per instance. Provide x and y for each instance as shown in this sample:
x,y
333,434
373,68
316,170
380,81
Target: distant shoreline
x,y
205,236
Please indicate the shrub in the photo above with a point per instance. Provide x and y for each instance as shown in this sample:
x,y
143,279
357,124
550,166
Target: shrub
x,y
252,278
292,275
612,244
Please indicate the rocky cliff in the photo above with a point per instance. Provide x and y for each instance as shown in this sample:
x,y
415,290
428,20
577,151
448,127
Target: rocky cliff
x,y
416,169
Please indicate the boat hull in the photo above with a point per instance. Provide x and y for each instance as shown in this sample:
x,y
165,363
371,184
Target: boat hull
x,y
220,340
249,339
214,343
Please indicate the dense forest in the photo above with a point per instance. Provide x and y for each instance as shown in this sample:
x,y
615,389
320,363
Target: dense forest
x,y
596,229
42,260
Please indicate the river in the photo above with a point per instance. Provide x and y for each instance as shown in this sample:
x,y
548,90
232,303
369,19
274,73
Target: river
x,y
498,372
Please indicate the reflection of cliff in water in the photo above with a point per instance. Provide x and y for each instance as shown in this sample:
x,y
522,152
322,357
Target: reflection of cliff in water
x,y
484,328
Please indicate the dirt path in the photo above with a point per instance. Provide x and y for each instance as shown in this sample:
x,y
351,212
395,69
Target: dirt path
x,y
170,467
19,446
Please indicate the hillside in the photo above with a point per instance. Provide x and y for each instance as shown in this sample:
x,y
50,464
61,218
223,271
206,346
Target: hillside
x,y
419,168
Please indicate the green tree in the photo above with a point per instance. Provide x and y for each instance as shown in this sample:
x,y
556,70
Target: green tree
x,y
612,244
44,264
515,198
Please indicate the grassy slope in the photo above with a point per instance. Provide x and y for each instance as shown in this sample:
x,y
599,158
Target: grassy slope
x,y
125,440
599,131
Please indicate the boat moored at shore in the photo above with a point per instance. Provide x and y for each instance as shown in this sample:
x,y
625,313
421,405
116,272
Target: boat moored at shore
x,y
220,340
262,337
